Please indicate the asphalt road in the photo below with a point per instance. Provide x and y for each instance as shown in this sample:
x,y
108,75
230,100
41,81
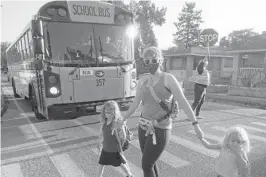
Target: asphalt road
x,y
67,148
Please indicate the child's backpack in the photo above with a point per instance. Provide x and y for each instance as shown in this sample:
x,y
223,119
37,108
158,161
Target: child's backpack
x,y
124,144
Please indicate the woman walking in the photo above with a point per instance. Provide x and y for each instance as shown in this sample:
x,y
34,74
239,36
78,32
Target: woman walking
x,y
156,94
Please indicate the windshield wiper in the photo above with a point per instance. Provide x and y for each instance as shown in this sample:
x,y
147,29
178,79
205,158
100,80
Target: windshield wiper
x,y
101,48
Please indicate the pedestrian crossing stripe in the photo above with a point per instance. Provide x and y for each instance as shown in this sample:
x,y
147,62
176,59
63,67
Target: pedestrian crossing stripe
x,y
194,146
66,167
259,123
166,157
136,171
11,170
208,136
252,128
251,136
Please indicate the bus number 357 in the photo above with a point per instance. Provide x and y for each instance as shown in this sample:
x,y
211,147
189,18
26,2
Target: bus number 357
x,y
100,82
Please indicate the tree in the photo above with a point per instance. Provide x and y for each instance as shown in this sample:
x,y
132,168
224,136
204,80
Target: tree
x,y
224,42
244,39
187,26
4,46
146,15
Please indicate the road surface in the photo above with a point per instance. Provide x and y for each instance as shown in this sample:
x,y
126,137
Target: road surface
x,y
67,148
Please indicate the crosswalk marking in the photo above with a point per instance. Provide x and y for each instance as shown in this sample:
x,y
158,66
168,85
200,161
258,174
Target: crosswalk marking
x,y
194,146
259,138
259,123
136,171
167,157
252,128
11,170
66,167
209,136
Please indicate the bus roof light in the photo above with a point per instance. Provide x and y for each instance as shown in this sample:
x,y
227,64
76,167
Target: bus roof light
x,y
51,11
62,12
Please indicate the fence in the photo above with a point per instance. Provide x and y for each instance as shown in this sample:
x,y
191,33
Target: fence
x,y
251,77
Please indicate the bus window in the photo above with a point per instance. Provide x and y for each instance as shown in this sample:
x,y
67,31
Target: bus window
x,y
114,44
20,50
27,45
74,44
30,43
23,47
18,53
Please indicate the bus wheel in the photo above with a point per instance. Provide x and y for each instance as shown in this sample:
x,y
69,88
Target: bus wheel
x,y
33,101
14,89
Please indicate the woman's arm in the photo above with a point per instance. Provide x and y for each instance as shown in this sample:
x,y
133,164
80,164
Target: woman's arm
x,y
176,90
209,145
135,103
100,134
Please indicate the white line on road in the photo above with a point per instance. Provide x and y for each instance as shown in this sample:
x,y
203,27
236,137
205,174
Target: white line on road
x,y
136,171
11,170
194,146
259,138
252,128
45,153
34,130
167,157
66,167
259,123
240,114
209,136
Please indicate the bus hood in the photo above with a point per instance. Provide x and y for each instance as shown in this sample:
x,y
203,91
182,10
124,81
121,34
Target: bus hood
x,y
97,84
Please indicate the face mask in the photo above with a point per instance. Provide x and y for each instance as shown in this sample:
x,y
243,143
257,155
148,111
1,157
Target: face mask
x,y
152,68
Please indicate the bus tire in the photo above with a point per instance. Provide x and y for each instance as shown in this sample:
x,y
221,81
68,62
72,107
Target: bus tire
x,y
34,107
14,89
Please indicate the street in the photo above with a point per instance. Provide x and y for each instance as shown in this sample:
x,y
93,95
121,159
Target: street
x,y
67,148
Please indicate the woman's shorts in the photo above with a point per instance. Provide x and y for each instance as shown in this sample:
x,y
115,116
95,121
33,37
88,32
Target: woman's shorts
x,y
111,158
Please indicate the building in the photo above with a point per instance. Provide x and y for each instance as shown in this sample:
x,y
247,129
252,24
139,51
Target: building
x,y
224,66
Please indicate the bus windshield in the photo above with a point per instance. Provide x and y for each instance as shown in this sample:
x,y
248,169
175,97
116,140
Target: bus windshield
x,y
74,43
114,44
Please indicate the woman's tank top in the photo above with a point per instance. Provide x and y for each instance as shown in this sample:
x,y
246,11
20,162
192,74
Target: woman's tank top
x,y
150,109
110,142
226,164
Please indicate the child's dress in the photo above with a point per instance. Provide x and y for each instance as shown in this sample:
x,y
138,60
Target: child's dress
x,y
110,154
226,165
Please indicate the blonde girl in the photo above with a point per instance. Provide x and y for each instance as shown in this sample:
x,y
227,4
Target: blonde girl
x,y
233,158
109,145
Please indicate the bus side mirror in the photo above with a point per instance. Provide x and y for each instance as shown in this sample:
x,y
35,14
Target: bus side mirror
x,y
37,37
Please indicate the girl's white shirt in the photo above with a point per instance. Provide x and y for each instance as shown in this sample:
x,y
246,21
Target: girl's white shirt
x,y
226,165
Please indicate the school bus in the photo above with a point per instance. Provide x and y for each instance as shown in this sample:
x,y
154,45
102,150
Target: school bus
x,y
74,55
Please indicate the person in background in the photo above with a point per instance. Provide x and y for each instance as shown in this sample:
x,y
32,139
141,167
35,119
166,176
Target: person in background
x,y
201,78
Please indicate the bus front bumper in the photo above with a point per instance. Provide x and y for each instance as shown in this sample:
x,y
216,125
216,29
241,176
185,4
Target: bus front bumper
x,y
74,110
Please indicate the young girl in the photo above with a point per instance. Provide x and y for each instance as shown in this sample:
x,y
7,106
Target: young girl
x,y
110,134
233,159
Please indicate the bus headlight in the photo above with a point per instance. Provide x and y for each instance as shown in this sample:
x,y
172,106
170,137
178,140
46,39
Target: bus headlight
x,y
132,31
54,90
